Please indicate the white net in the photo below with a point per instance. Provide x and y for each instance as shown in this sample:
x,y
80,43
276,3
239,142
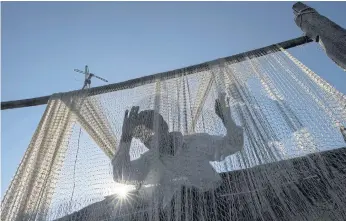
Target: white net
x,y
271,149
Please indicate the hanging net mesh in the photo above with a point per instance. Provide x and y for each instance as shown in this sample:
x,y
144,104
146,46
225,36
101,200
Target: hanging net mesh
x,y
275,153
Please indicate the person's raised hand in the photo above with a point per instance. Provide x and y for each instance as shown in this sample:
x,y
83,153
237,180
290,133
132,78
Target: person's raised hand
x,y
222,108
130,123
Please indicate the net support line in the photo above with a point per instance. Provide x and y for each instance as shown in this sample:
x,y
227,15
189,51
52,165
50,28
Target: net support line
x,y
164,75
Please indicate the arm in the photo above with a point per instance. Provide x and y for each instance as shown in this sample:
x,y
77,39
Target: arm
x,y
235,135
234,139
213,147
125,170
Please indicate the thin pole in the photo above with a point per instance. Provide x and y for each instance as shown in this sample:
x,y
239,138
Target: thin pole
x,y
164,75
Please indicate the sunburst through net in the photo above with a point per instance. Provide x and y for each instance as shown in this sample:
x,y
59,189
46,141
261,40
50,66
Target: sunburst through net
x,y
290,166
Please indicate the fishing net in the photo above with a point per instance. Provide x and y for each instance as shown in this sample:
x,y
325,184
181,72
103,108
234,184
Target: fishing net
x,y
289,163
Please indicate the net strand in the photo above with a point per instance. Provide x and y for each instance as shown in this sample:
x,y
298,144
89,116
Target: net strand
x,y
189,161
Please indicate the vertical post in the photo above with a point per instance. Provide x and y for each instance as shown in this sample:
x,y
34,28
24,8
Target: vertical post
x,y
319,28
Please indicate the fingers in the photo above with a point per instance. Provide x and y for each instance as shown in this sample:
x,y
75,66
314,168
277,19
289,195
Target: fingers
x,y
217,104
137,109
218,107
222,96
134,111
223,100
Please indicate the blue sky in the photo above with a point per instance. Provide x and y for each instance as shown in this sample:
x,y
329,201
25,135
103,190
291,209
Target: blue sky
x,y
42,42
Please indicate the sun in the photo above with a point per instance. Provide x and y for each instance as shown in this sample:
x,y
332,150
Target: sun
x,y
121,190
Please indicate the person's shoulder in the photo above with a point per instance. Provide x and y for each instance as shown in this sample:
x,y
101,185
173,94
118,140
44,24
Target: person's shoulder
x,y
236,128
147,154
196,136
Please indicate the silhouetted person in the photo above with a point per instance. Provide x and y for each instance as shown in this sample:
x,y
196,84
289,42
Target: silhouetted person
x,y
173,160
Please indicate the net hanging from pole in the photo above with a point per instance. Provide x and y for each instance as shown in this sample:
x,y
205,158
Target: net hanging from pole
x,y
274,153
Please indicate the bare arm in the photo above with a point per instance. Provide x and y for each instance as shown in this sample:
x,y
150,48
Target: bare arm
x,y
234,140
125,170
235,135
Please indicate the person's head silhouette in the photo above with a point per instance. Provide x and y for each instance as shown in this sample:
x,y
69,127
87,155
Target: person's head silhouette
x,y
152,130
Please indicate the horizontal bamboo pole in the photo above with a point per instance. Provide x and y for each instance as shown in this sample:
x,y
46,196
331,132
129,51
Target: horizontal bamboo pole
x,y
164,75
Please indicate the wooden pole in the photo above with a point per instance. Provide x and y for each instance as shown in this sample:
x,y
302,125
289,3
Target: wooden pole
x,y
164,75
